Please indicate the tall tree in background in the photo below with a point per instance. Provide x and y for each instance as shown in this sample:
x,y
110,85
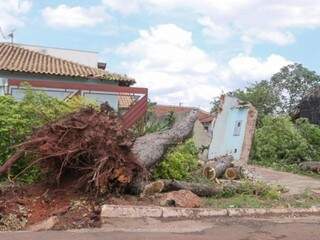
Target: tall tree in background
x,y
292,83
262,96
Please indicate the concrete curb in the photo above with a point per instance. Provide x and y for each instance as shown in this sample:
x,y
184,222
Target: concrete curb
x,y
123,211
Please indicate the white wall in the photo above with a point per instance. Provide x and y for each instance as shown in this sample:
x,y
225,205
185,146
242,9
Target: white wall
x,y
225,140
87,58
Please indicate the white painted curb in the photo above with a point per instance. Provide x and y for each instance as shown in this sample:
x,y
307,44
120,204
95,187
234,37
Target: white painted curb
x,y
123,211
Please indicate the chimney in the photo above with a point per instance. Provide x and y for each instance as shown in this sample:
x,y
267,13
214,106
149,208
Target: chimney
x,y
102,65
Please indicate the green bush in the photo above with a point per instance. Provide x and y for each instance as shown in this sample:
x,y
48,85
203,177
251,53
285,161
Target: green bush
x,y
19,118
179,163
280,141
311,133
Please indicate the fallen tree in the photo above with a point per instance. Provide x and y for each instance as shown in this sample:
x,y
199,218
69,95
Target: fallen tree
x,y
200,189
150,148
88,146
92,148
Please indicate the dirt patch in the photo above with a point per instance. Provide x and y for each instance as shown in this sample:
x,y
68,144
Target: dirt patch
x,y
294,183
23,206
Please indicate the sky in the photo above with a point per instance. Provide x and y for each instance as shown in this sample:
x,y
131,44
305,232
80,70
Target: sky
x,y
185,51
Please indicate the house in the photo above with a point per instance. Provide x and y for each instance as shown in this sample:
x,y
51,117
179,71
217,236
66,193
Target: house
x,y
233,129
63,78
161,111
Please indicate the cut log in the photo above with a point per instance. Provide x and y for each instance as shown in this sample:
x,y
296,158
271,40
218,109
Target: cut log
x,y
202,190
310,166
216,168
149,149
233,173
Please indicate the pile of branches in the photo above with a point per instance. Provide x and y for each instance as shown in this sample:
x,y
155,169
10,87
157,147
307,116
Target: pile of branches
x,y
88,146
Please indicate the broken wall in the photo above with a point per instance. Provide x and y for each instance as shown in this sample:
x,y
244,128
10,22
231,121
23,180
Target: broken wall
x,y
233,130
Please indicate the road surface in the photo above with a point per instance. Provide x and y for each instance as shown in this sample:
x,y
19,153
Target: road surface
x,y
296,184
307,228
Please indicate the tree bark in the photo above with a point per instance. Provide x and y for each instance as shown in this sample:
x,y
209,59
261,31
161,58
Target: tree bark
x,y
310,166
149,149
217,167
202,190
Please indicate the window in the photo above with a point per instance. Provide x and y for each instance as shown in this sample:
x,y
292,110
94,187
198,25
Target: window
x,y
237,128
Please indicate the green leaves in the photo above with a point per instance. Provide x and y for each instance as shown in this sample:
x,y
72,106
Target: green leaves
x,y
281,141
179,163
18,119
262,97
292,83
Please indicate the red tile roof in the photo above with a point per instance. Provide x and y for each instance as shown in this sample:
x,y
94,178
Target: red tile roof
x,y
163,110
125,101
18,59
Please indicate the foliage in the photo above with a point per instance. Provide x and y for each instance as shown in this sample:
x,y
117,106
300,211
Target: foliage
x,y
19,118
260,189
311,132
282,145
278,140
215,103
248,194
305,200
292,83
152,124
179,163
261,96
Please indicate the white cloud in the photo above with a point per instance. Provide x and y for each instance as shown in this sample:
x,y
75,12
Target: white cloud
x,y
248,68
12,12
257,20
277,37
123,6
74,16
213,30
166,60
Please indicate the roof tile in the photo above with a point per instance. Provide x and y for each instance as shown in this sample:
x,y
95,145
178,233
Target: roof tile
x,y
18,59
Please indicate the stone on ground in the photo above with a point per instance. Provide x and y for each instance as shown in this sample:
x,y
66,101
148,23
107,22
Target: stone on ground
x,y
182,198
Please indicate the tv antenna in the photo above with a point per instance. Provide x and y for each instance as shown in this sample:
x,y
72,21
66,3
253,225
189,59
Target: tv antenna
x,y
10,35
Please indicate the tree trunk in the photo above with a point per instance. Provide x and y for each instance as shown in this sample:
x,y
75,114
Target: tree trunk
x,y
233,173
310,166
217,167
149,149
202,190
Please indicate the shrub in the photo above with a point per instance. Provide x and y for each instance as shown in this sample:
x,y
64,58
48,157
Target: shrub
x,y
179,163
311,133
280,141
19,118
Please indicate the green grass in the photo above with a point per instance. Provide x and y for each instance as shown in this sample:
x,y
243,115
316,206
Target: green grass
x,y
244,200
